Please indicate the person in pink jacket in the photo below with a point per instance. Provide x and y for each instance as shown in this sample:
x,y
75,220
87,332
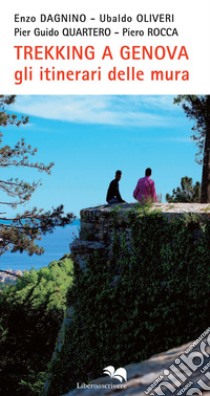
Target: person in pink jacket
x,y
145,188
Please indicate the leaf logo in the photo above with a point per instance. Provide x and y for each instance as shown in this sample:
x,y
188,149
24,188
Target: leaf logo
x,y
120,374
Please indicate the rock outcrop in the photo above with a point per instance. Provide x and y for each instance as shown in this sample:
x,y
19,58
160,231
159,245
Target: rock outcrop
x,y
142,375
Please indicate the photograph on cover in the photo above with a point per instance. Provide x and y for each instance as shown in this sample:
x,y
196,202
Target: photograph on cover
x,y
104,237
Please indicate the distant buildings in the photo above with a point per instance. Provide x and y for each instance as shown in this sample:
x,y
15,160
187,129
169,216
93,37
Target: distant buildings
x,y
8,277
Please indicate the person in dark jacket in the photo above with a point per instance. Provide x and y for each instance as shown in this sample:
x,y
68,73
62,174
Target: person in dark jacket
x,y
113,194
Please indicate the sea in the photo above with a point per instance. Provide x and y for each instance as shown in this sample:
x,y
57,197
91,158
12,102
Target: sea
x,y
56,245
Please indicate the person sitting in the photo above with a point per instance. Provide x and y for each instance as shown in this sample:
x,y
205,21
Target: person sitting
x,y
113,194
145,188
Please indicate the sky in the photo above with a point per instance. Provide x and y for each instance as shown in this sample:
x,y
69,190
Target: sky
x,y
89,137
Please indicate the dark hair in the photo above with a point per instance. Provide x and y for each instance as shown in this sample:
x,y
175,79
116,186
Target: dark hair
x,y
118,172
148,172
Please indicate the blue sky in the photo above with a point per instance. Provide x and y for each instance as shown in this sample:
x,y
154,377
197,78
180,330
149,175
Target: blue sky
x,y
90,137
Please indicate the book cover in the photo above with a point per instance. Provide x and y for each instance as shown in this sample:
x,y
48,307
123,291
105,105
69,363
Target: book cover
x,y
98,100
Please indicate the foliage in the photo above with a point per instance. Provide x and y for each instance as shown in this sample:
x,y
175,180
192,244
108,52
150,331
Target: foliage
x,y
197,108
153,295
20,232
186,193
31,313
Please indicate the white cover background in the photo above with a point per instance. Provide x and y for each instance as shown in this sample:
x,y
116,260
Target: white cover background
x,y
191,20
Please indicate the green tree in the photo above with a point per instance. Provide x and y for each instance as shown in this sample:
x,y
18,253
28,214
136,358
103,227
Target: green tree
x,y
20,232
197,108
31,313
187,192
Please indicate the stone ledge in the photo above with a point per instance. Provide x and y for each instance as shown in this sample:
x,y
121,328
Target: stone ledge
x,y
100,213
86,246
98,223
105,210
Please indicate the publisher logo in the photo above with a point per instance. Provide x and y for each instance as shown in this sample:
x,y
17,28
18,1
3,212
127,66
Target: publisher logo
x,y
120,374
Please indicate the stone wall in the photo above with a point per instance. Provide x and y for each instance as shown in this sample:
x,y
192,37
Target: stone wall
x,y
132,294
101,225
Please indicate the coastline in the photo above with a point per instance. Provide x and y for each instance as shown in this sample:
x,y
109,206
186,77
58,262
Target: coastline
x,y
56,245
